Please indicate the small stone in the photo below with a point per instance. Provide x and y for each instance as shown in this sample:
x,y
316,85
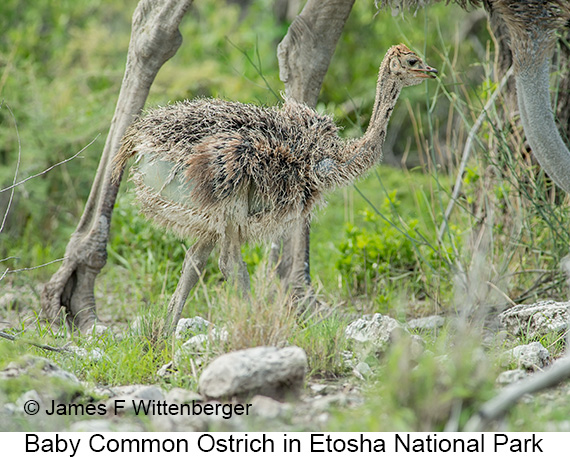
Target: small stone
x,y
318,388
267,407
511,376
529,356
9,409
199,344
94,355
149,393
96,331
30,395
269,371
374,332
131,396
165,370
428,323
363,369
131,389
190,327
179,396
35,366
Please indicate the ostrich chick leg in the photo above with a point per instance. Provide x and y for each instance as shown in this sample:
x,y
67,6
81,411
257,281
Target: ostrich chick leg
x,y
231,263
192,267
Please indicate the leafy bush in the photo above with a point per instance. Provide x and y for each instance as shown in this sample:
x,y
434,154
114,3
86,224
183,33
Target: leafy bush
x,y
372,253
385,256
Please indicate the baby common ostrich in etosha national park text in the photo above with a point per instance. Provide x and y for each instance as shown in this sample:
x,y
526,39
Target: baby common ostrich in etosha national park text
x,y
226,172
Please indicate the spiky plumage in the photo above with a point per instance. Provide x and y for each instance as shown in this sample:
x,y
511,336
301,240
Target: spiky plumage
x,y
532,26
414,4
227,172
203,162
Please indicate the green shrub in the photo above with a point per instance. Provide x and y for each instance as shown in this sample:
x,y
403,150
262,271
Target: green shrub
x,y
385,255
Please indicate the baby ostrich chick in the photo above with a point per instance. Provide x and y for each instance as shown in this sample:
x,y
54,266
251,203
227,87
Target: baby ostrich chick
x,y
226,172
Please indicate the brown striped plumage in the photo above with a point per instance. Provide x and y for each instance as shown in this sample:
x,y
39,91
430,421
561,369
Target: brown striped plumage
x,y
229,172
233,160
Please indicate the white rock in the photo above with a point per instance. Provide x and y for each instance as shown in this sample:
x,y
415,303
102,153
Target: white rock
x,y
363,369
536,320
374,332
165,370
36,365
268,371
94,355
179,395
267,407
426,323
191,326
127,396
529,356
198,345
30,395
511,376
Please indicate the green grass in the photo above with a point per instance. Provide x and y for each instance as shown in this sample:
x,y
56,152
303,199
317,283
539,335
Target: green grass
x,y
422,394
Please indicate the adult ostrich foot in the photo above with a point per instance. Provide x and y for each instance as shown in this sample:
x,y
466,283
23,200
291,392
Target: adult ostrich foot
x,y
69,296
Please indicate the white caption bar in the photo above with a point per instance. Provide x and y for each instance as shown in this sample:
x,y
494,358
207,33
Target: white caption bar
x,y
277,444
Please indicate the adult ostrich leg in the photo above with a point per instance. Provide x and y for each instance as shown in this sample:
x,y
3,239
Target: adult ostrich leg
x,y
532,27
304,57
155,38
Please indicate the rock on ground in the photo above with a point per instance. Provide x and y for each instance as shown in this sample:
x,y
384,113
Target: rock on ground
x,y
511,376
530,356
129,395
36,366
536,320
376,330
201,334
269,371
374,333
192,326
426,323
268,408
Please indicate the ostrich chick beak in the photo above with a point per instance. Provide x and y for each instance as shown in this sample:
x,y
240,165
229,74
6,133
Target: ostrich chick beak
x,y
426,72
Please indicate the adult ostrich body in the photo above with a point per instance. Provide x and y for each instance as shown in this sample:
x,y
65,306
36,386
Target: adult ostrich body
x,y
227,172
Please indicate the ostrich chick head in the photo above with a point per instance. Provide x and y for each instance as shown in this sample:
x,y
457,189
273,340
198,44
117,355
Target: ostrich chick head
x,y
407,67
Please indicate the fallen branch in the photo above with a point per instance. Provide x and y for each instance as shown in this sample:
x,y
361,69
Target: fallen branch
x,y
45,347
498,406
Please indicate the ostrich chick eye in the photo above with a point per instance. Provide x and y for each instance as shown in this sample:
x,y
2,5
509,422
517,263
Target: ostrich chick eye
x,y
412,62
